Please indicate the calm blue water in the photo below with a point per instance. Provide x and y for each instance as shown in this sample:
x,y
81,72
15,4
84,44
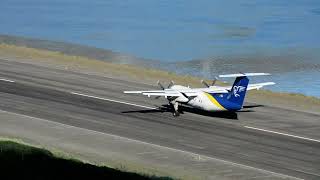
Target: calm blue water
x,y
272,35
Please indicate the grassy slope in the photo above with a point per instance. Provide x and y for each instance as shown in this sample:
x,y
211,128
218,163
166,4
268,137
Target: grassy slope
x,y
24,161
76,63
82,63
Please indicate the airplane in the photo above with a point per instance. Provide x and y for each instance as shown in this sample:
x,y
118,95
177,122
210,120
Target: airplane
x,y
212,97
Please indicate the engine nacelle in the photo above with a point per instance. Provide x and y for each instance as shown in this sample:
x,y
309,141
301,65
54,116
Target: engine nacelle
x,y
181,99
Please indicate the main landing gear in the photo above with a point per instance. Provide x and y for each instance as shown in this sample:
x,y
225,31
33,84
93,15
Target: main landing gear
x,y
176,112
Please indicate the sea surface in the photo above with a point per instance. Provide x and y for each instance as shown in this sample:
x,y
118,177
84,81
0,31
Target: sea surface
x,y
203,38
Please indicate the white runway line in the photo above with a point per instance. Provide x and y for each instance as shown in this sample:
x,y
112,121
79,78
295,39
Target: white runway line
x,y
156,145
7,80
112,100
290,135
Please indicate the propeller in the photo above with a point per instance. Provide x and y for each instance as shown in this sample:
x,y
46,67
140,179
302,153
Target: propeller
x,y
205,83
160,85
170,84
213,82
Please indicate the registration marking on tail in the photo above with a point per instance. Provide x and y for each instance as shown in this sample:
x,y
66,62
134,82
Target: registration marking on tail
x,y
284,134
112,100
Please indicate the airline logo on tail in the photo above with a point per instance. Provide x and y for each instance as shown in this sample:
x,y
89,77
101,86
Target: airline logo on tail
x,y
237,90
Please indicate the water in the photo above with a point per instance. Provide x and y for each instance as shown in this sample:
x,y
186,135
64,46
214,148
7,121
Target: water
x,y
201,38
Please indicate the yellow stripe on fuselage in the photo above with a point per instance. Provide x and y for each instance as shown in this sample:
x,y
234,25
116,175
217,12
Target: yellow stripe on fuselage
x,y
214,101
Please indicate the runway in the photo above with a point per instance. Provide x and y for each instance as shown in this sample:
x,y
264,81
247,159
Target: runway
x,y
264,137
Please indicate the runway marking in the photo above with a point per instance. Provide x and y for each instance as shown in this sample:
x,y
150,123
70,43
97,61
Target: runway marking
x,y
143,153
112,100
7,80
290,135
156,145
194,146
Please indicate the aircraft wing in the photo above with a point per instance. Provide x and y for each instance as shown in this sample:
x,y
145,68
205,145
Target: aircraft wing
x,y
220,90
141,92
165,92
194,92
177,92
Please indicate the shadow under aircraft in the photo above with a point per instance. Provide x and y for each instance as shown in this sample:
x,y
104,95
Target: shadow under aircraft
x,y
219,114
168,108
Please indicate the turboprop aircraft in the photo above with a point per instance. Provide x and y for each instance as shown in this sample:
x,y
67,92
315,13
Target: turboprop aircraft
x,y
210,98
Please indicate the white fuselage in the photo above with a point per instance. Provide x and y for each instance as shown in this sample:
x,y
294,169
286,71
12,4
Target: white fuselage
x,y
202,101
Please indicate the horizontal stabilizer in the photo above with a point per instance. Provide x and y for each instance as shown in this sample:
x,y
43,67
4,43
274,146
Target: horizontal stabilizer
x,y
260,85
243,75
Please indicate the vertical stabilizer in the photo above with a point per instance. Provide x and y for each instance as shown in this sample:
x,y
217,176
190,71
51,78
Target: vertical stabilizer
x,y
238,91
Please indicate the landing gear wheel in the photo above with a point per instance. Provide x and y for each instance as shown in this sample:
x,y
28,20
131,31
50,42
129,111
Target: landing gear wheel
x,y
176,114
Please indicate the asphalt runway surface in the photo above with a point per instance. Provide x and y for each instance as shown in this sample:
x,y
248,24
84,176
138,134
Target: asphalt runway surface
x,y
265,137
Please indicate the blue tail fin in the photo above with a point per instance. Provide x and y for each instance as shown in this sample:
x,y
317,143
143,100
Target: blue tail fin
x,y
238,90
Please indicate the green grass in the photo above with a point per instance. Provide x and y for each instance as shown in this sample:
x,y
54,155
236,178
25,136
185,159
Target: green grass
x,y
27,162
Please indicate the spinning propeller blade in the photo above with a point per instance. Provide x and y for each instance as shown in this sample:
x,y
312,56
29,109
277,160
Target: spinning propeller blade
x,y
205,83
214,81
160,85
171,84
